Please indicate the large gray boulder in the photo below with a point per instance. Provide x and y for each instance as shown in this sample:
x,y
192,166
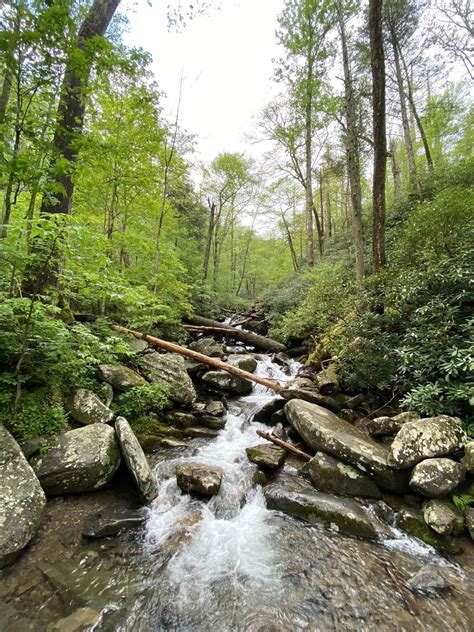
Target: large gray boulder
x,y
426,438
299,499
323,430
120,377
208,347
385,426
443,517
22,500
85,407
331,475
468,458
243,361
436,477
199,478
169,369
80,460
227,382
136,461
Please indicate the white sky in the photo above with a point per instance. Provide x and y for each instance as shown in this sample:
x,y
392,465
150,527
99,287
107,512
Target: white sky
x,y
226,58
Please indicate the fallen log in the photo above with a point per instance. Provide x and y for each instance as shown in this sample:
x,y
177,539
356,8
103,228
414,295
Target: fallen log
x,y
284,444
200,357
251,339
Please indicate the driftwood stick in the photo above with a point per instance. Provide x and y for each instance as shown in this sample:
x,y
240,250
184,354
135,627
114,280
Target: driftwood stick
x,y
408,598
284,444
200,357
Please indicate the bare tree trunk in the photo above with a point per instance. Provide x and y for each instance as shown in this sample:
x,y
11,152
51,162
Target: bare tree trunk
x,y
210,232
397,182
289,238
377,62
308,176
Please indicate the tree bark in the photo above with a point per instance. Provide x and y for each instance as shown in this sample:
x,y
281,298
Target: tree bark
x,y
397,182
308,166
377,63
210,232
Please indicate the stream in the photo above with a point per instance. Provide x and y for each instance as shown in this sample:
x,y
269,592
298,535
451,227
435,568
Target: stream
x,y
229,563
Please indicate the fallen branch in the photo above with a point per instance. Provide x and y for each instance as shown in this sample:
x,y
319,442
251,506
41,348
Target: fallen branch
x,y
284,444
200,357
408,598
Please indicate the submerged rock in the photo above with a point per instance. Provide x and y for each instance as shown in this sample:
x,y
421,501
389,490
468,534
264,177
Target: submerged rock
x,y
81,460
120,377
443,517
22,500
243,361
200,478
436,477
268,456
411,520
81,620
323,430
169,369
386,426
111,521
227,382
136,461
426,438
299,499
429,579
265,412
85,407
208,347
331,475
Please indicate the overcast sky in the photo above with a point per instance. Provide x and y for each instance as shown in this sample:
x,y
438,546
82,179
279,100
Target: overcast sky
x,y
226,58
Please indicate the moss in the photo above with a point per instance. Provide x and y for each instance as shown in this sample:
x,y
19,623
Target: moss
x,y
412,523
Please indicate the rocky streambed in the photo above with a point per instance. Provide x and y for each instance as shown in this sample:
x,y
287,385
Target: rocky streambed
x,y
237,535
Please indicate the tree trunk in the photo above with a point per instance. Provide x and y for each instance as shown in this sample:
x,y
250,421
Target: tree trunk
x,y
210,232
397,182
377,63
309,160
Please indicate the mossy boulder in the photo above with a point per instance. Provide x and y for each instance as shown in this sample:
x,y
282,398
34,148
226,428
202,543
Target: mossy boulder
x,y
243,361
85,407
227,382
199,478
386,426
169,369
411,521
266,456
334,476
208,347
121,377
436,477
443,517
468,458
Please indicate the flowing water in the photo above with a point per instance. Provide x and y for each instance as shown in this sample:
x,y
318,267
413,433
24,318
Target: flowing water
x,y
231,564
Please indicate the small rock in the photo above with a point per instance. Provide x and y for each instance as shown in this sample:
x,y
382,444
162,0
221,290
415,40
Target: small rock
x,y
181,419
200,478
267,456
215,423
436,477
468,458
208,347
331,475
429,579
110,521
227,382
85,407
120,377
246,362
215,408
265,412
82,620
443,517
138,345
426,438
136,461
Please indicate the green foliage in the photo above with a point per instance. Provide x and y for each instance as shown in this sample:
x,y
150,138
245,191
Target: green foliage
x,y
463,501
141,401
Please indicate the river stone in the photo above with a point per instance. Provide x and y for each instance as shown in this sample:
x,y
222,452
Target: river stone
x,y
111,521
299,499
180,419
431,578
136,461
214,423
121,377
243,361
81,620
436,477
208,347
227,382
169,369
215,408
200,478
80,460
443,517
270,457
323,430
468,458
331,475
411,520
265,412
386,426
22,500
85,407
311,396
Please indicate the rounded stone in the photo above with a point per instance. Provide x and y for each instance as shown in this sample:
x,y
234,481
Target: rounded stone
x,y
436,477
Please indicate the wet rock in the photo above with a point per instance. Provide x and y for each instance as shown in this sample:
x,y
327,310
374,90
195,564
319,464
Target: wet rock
x,y
267,456
200,432
138,345
82,620
111,521
80,460
85,407
181,419
311,396
208,347
331,475
200,478
120,377
153,443
386,426
299,499
411,520
264,413
436,477
215,408
136,461
214,423
469,518
278,418
443,517
227,382
169,369
429,579
468,458
245,361
22,500
323,430
426,438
